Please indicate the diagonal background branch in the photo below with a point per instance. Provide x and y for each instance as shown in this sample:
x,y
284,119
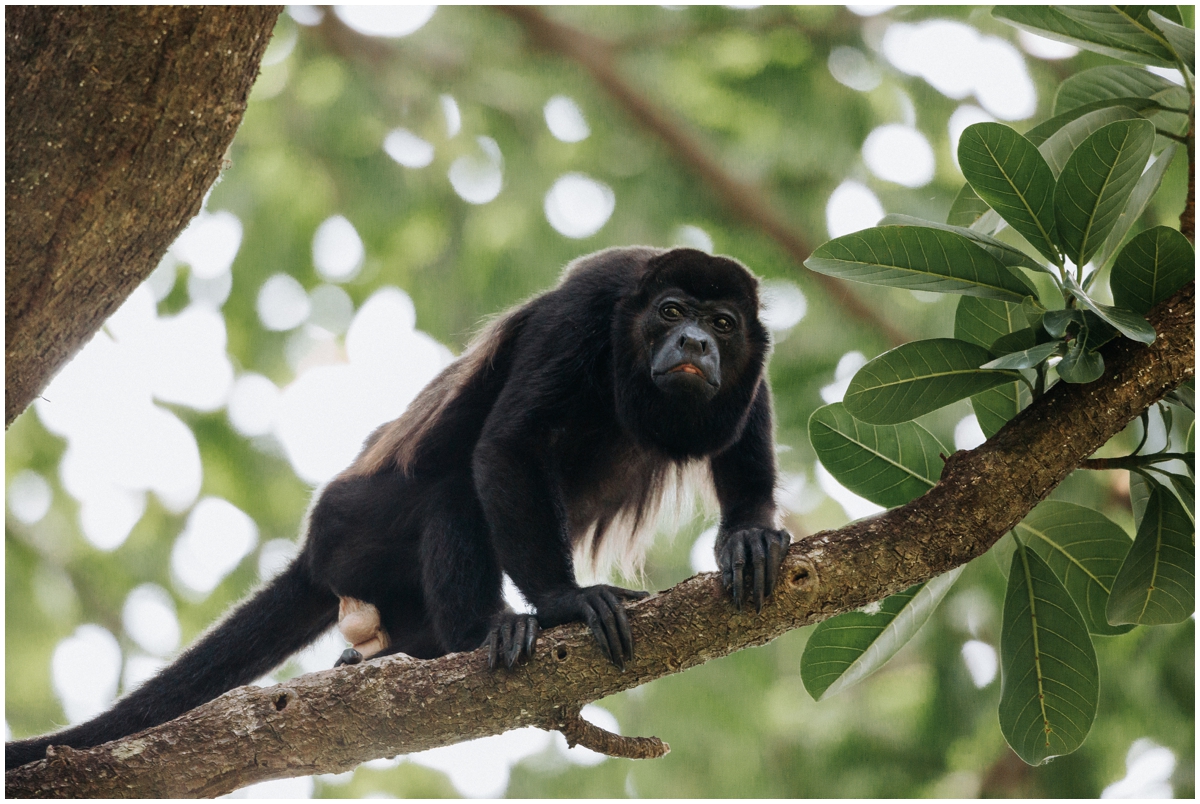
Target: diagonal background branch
x,y
745,201
331,721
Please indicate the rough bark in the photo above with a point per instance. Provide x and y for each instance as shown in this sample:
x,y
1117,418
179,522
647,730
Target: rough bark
x,y
117,119
333,720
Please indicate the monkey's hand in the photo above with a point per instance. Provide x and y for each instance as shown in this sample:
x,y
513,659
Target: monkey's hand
x,y
760,548
512,636
602,607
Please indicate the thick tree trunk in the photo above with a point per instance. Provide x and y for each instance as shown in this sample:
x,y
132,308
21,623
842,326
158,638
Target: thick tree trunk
x,y
330,721
117,122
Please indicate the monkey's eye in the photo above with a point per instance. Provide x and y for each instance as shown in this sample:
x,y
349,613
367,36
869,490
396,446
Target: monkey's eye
x,y
671,311
723,323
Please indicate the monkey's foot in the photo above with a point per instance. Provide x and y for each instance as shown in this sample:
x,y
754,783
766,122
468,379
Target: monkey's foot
x,y
512,636
763,550
349,656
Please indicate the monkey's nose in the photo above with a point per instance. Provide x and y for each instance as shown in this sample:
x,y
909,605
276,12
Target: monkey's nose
x,y
693,341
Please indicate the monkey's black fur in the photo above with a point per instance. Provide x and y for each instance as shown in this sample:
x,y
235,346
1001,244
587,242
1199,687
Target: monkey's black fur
x,y
567,415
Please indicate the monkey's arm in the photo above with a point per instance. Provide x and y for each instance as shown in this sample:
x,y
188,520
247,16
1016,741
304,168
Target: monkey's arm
x,y
744,478
527,520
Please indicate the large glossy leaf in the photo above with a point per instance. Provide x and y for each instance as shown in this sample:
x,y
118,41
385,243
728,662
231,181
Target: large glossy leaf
x,y
1107,83
1096,182
1080,364
916,378
1151,267
1182,40
984,321
1007,172
845,649
1049,679
1128,323
966,208
1059,146
1145,189
918,258
1010,256
1027,358
1110,34
888,464
1042,131
1085,549
1156,584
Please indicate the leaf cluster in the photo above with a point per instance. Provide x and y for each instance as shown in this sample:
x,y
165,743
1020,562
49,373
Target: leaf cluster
x,y
1060,203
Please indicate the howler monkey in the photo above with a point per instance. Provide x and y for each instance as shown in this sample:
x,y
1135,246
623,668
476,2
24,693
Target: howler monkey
x,y
557,430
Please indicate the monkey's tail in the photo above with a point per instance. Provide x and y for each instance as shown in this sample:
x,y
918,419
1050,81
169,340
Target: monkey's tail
x,y
284,616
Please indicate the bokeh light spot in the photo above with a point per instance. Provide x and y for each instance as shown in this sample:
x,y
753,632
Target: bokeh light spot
x,y
578,206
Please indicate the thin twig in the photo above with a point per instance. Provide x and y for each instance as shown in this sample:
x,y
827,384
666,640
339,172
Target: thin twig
x,y
580,732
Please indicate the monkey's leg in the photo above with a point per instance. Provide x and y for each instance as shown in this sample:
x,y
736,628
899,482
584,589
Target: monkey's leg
x,y
461,577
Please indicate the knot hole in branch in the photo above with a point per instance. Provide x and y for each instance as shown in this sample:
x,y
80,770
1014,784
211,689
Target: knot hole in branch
x,y
281,701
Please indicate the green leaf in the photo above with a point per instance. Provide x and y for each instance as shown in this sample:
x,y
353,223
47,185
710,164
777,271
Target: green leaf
x,y
1080,364
919,377
1182,40
966,208
1059,146
1085,549
1129,324
1027,358
1146,187
984,321
918,258
1049,679
887,464
1139,493
1056,322
844,650
995,407
1096,182
1007,172
1020,340
1110,34
1191,438
1156,584
1151,267
1110,82
1010,256
1042,131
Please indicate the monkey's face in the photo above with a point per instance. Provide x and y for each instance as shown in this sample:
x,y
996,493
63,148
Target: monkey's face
x,y
687,338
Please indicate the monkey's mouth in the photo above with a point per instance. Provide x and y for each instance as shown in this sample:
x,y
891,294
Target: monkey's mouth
x,y
688,368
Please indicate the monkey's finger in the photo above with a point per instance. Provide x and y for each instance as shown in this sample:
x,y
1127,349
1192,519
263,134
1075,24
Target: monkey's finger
x,y
630,594
531,637
620,622
625,631
605,608
739,580
775,551
597,628
514,647
758,559
493,642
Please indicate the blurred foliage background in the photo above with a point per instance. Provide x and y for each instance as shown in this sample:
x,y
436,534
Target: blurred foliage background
x,y
754,92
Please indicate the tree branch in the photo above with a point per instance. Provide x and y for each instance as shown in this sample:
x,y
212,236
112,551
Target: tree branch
x,y
331,721
743,200
118,119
